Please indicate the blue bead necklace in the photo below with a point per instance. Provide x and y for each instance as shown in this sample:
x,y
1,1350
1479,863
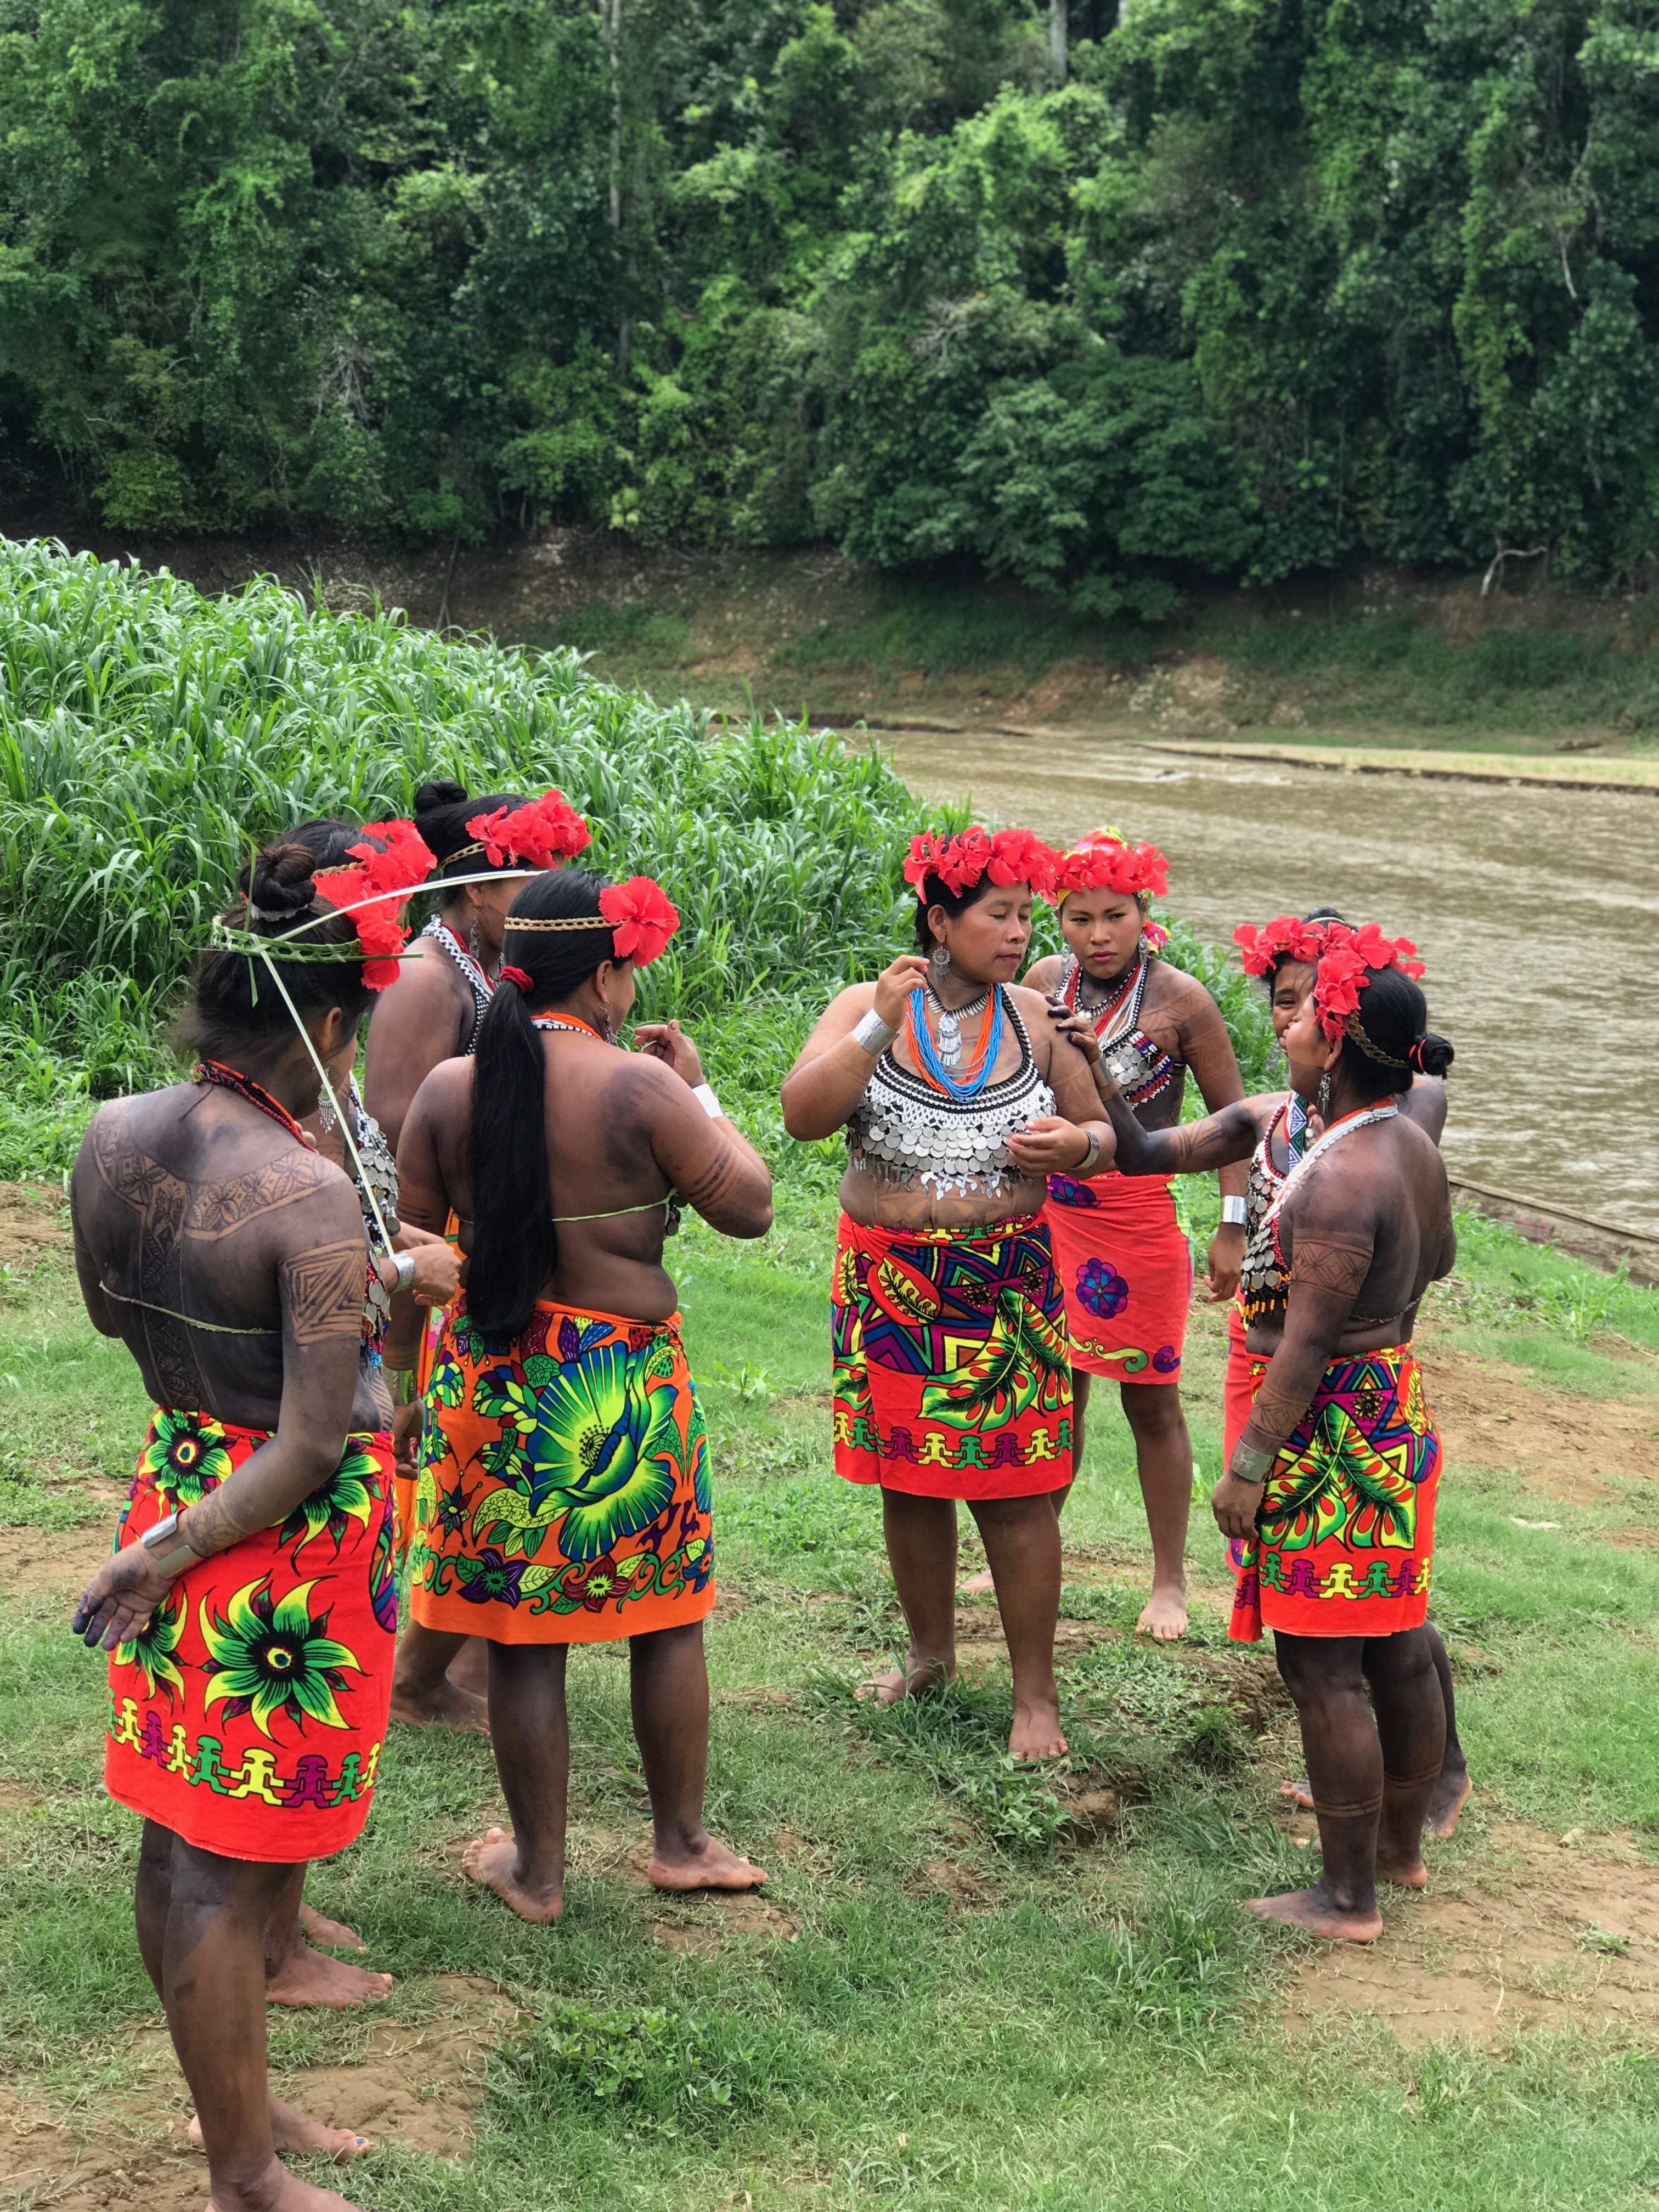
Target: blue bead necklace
x,y
946,1079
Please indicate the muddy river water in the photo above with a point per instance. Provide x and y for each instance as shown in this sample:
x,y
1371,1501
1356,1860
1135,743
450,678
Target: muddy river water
x,y
1537,910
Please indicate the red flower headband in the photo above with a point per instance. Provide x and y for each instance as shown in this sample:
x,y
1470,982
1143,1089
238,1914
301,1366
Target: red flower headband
x,y
1007,856
1283,937
641,916
398,860
1104,861
538,836
1346,965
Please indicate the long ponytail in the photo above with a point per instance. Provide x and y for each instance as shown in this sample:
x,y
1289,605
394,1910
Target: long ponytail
x,y
515,1243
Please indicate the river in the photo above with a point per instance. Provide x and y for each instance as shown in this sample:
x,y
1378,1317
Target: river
x,y
1536,910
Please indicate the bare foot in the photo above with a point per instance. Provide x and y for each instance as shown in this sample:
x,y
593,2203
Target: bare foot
x,y
977,1585
1447,1800
306,1976
1300,1793
293,2130
494,1861
334,1934
904,1681
277,2190
1404,1874
1037,1731
1318,1913
469,1670
703,1863
443,1705
1164,1616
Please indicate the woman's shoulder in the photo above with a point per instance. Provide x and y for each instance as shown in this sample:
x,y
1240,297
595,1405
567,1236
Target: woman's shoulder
x,y
1172,990
1043,975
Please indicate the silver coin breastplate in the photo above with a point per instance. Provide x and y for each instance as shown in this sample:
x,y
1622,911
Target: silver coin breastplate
x,y
906,1135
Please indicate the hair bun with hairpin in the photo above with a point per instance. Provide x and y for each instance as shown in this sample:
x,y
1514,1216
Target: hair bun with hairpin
x,y
280,884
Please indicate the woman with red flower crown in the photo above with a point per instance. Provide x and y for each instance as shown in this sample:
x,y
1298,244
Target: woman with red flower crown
x,y
432,1013
1328,1494
1122,1257
952,1368
249,1606
563,1489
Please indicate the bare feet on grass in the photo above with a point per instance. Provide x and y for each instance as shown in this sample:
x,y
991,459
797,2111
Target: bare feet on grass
x,y
1164,1616
493,1860
1036,1732
306,1976
701,1862
332,1934
1317,1913
276,2191
1300,1793
908,1680
443,1705
293,2130
977,1585
1447,1800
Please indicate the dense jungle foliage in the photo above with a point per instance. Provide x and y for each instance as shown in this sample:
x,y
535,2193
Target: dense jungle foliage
x,y
1224,289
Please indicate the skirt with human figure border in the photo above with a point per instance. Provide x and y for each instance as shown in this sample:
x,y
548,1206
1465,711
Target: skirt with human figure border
x,y
1126,1272
1345,1533
247,1715
952,1373
562,1495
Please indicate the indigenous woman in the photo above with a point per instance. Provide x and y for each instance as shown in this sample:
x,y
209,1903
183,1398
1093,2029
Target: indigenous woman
x,y
1122,1255
563,1494
248,1609
951,1375
1329,1493
1285,954
432,1013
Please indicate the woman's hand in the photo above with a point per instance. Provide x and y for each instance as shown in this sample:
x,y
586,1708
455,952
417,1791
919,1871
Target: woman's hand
x,y
1077,1029
1048,1146
119,1598
1235,1505
668,1042
894,986
1226,1257
437,1264
406,1435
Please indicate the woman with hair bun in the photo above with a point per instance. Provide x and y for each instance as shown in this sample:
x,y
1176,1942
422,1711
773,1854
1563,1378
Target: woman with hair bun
x,y
1329,1495
563,1494
249,1607
433,1014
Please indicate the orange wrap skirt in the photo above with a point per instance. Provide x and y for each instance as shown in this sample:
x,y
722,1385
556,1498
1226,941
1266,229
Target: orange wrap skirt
x,y
563,1491
1126,1271
1345,1533
248,1714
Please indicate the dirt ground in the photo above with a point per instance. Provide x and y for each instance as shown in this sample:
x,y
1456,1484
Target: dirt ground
x,y
1574,1448
32,1222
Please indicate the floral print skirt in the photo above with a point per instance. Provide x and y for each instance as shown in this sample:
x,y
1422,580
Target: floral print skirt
x,y
1126,1269
951,1370
248,1715
563,1494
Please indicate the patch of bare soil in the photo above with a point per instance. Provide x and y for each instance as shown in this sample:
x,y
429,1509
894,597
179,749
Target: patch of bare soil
x,y
1570,1447
61,1558
937,1877
30,1223
420,2082
1537,1934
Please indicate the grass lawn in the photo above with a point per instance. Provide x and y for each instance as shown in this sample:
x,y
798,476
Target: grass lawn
x,y
968,1985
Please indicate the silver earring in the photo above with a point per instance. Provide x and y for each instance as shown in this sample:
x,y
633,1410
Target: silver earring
x,y
939,966
1322,1103
475,942
327,1108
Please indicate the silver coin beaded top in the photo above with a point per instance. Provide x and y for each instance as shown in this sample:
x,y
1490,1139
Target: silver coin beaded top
x,y
906,1135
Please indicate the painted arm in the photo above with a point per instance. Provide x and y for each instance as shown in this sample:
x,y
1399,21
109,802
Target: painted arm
x,y
1208,1051
834,1070
706,1159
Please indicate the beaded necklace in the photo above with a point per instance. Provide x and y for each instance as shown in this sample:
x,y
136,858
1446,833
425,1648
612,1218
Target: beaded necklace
x,y
1139,1067
937,1070
478,983
215,1072
572,1022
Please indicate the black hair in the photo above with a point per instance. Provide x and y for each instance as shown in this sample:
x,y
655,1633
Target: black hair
x,y
326,837
1393,1017
933,893
233,1007
515,1246
443,810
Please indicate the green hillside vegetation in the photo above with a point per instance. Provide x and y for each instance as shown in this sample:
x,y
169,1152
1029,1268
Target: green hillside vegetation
x,y
1110,301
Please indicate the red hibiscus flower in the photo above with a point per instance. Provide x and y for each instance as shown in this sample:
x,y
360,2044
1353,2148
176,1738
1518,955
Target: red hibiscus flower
x,y
538,835
392,861
642,918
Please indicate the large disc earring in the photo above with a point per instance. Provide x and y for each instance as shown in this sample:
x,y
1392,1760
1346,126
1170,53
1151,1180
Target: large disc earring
x,y
938,967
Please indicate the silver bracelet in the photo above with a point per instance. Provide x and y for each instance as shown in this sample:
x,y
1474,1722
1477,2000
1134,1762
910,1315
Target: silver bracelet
x,y
404,1262
872,1033
1085,1166
1232,1212
704,1095
1256,1465
177,1555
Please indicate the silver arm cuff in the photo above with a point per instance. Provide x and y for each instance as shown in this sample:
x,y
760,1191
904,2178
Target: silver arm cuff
x,y
1232,1212
873,1034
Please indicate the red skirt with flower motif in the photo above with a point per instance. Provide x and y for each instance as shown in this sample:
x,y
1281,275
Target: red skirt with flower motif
x,y
1126,1269
562,1495
1345,1533
952,1376
248,1715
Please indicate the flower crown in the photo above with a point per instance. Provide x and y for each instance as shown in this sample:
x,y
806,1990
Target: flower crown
x,y
1105,860
1285,938
639,913
1007,856
1347,963
538,835
394,857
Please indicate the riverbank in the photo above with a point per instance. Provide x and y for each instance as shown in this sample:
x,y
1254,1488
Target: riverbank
x,y
968,1987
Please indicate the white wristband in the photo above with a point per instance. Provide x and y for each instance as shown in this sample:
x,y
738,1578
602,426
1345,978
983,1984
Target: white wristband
x,y
704,1095
1232,1212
